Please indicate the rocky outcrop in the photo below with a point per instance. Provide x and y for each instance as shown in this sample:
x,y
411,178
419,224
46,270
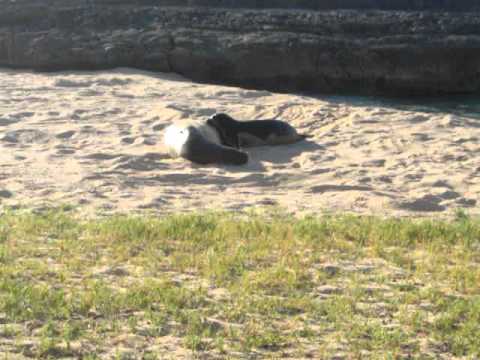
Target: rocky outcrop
x,y
348,51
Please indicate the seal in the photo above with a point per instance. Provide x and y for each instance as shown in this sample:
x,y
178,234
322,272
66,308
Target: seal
x,y
200,145
239,134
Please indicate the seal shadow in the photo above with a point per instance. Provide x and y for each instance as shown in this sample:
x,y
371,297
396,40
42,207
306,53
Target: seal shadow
x,y
251,166
275,154
281,154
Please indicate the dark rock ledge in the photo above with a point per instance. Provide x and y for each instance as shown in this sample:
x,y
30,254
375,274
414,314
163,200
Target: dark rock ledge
x,y
361,51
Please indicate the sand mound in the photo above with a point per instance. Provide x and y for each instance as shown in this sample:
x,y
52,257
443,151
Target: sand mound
x,y
94,139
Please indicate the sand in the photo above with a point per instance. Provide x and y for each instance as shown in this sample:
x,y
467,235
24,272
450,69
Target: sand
x,y
94,140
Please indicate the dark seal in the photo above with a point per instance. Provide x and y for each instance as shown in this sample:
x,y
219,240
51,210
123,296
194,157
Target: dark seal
x,y
239,134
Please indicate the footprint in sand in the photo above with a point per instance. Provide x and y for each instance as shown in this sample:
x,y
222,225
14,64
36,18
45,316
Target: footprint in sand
x,y
7,121
155,203
427,203
124,133
367,121
91,130
70,83
78,114
466,140
382,112
449,195
122,95
149,141
101,156
365,180
150,121
267,201
467,202
5,194
374,163
321,171
90,92
255,94
114,82
442,183
64,150
128,140
147,162
65,134
418,119
26,137
15,118
385,179
159,127
422,137
22,115
413,177
332,187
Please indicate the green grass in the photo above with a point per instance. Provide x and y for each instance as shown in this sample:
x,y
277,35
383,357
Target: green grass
x,y
228,285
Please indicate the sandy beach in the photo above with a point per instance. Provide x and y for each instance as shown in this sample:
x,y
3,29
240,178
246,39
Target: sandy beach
x,y
94,140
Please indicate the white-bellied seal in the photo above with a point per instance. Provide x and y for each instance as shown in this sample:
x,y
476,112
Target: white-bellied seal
x,y
200,144
254,132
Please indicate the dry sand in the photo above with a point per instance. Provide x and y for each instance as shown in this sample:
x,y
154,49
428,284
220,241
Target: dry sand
x,y
93,139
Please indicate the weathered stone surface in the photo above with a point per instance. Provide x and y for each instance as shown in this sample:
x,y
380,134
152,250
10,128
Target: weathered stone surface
x,y
355,51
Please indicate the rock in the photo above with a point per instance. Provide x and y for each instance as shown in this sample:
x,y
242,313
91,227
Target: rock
x,y
356,51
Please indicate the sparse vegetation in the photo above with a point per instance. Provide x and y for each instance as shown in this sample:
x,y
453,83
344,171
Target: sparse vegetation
x,y
231,285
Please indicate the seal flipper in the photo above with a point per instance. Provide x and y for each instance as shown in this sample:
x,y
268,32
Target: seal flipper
x,y
201,151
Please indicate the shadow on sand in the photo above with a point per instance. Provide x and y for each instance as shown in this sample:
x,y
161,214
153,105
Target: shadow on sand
x,y
282,154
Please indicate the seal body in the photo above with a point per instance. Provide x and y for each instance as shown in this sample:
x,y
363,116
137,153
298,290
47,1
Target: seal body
x,y
200,144
253,133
